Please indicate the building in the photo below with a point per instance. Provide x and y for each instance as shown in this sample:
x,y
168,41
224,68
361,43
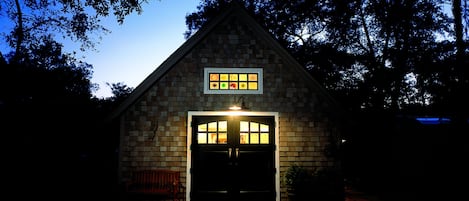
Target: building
x,y
181,116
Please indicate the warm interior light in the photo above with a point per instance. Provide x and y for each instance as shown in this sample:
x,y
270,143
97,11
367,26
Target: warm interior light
x,y
235,107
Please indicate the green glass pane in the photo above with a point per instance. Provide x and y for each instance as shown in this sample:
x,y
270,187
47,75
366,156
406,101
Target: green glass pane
x,y
224,85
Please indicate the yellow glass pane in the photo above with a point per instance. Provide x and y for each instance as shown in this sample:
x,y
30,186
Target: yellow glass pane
x,y
202,138
244,126
264,138
224,77
214,76
202,127
264,128
243,85
252,77
212,138
254,138
243,138
252,85
223,85
233,85
222,138
214,85
233,77
243,77
254,127
222,126
212,126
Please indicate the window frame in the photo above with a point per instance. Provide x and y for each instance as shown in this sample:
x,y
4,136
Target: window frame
x,y
258,71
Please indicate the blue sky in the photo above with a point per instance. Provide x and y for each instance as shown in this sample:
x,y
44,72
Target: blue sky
x,y
137,47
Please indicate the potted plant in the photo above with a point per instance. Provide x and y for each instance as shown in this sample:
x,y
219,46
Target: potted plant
x,y
295,179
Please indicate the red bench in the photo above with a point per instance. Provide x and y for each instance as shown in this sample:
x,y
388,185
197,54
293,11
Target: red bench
x,y
163,183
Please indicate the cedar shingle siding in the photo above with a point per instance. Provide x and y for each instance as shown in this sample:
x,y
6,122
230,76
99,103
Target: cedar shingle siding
x,y
154,122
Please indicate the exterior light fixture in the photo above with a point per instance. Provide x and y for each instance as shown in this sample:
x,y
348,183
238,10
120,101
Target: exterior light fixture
x,y
238,104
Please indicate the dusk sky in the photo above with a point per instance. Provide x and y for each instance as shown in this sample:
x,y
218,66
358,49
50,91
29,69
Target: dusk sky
x,y
135,48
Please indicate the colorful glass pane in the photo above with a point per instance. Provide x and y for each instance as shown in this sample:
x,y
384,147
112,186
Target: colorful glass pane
x,y
224,85
214,76
252,86
243,85
252,77
233,77
243,77
214,85
224,77
233,85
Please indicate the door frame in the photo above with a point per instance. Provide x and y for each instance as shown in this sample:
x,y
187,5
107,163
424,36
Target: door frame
x,y
190,114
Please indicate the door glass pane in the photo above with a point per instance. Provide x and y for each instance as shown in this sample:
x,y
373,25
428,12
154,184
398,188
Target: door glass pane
x,y
212,138
202,127
244,126
222,126
264,128
212,126
264,138
222,138
202,138
254,138
254,127
243,138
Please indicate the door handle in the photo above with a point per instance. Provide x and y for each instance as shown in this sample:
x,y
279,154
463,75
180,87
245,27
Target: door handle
x,y
237,152
229,152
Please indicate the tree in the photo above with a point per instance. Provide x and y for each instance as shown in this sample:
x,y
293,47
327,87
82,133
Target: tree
x,y
367,53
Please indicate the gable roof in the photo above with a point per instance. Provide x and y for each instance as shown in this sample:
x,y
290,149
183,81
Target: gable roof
x,y
187,46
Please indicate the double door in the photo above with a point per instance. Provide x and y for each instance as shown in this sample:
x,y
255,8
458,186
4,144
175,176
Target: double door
x,y
232,158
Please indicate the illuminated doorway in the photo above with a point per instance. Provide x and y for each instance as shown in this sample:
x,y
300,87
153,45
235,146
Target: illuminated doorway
x,y
233,157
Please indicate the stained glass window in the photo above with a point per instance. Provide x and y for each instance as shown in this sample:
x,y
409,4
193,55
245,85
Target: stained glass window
x,y
233,81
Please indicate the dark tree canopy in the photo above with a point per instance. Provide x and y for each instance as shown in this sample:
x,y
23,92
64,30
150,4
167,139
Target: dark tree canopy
x,y
379,55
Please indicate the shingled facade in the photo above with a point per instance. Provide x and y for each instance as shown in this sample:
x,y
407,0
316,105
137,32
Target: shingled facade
x,y
163,121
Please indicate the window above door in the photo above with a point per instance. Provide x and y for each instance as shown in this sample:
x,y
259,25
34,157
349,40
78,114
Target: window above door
x,y
233,81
